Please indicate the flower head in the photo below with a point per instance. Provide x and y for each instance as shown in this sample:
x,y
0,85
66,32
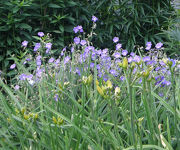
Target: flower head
x,y
16,87
24,43
118,46
124,52
76,40
37,46
51,60
83,42
115,39
94,18
48,45
40,34
159,45
148,45
12,66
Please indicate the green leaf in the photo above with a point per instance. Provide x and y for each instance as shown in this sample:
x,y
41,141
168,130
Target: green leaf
x,y
54,6
25,26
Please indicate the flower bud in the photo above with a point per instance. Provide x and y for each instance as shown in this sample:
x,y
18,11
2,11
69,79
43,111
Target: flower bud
x,y
117,91
133,64
146,73
54,120
90,78
26,117
36,116
100,91
120,64
125,63
109,84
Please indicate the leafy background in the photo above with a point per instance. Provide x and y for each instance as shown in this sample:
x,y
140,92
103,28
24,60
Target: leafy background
x,y
135,22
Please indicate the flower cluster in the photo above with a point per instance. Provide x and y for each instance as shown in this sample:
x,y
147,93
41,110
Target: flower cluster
x,y
87,57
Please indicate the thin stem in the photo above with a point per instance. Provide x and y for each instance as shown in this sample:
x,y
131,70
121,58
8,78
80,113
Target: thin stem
x,y
175,104
131,107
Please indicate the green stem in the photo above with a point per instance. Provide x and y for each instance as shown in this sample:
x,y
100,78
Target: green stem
x,y
175,104
129,85
147,109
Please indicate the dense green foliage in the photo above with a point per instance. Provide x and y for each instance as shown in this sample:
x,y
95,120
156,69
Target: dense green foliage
x,y
135,22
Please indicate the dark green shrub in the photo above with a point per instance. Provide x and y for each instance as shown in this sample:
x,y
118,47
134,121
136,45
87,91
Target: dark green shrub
x,y
135,21
20,20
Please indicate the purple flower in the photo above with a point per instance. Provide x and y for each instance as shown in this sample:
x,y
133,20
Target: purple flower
x,y
165,82
83,42
39,72
51,60
40,34
132,54
147,58
94,18
66,59
22,77
47,51
75,29
98,52
12,66
76,40
130,59
28,59
98,66
37,46
16,87
117,55
78,71
137,58
92,65
159,45
160,94
105,77
122,78
48,45
148,45
24,43
157,68
29,76
57,62
113,72
124,52
56,97
72,49
38,62
38,57
118,46
79,27
115,39
162,63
